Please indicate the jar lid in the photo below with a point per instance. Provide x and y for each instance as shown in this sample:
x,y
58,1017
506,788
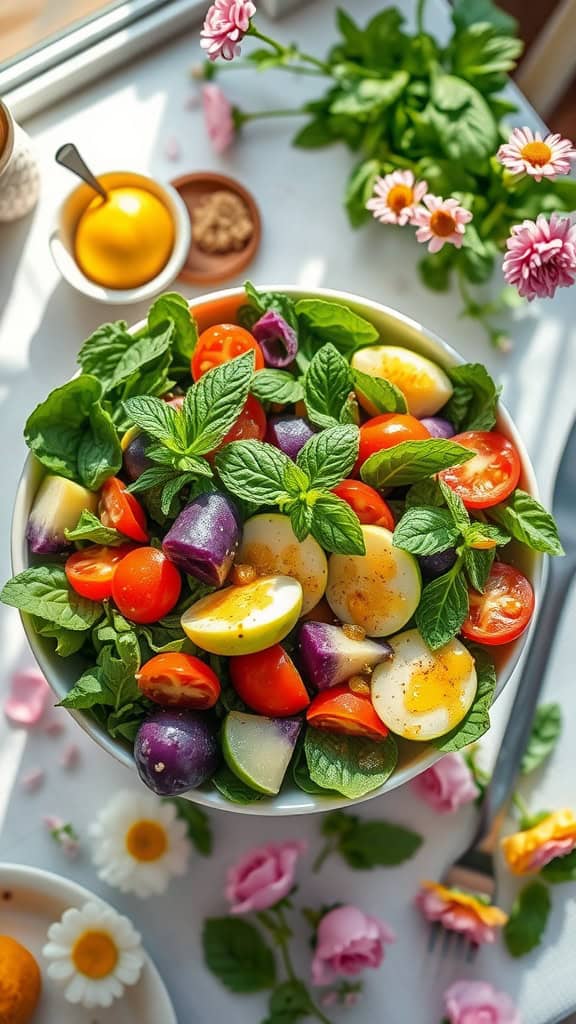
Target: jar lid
x,y
226,227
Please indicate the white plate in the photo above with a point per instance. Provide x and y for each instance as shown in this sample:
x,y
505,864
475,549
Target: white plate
x,y
30,900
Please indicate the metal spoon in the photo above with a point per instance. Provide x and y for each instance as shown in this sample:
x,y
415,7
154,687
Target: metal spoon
x,y
69,157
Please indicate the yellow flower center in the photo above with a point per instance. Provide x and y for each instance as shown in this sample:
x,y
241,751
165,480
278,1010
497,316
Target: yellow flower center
x,y
95,955
442,223
399,197
538,153
146,841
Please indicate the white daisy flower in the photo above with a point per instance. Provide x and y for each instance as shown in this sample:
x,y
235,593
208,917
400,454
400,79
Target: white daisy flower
x,y
527,152
139,843
95,953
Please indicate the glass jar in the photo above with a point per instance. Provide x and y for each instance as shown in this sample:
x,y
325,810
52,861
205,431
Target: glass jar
x,y
19,174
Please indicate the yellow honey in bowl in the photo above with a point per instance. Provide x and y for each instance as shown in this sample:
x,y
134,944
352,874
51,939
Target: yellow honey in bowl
x,y
125,240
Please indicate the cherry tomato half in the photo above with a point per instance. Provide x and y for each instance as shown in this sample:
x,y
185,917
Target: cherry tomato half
x,y
491,476
370,508
388,430
340,710
219,344
250,425
179,680
269,682
120,509
146,585
90,571
503,611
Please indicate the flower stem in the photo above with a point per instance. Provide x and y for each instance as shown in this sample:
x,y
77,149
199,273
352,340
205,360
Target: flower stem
x,y
259,114
326,851
281,933
306,57
420,16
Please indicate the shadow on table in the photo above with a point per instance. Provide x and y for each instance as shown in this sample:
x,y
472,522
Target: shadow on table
x,y
12,239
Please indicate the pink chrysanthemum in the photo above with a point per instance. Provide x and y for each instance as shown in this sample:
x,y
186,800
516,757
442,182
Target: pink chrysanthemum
x,y
528,153
218,117
225,26
395,198
541,256
440,221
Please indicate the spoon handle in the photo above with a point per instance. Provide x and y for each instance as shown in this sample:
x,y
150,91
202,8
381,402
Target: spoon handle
x,y
69,157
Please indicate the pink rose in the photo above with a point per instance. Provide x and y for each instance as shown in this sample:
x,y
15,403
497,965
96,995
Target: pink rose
x,y
347,942
549,851
476,1002
447,785
263,877
218,117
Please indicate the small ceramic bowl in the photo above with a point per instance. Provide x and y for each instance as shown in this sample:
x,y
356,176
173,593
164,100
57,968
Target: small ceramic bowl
x,y
62,239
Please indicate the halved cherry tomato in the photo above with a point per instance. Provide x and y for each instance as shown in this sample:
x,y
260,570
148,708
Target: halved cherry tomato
x,y
388,430
120,509
90,571
179,680
250,425
491,476
219,344
146,585
370,508
503,611
340,710
269,682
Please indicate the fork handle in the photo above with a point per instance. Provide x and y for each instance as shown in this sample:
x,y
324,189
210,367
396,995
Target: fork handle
x,y
560,575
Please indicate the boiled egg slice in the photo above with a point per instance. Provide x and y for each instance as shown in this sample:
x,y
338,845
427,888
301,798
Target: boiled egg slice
x,y
424,385
271,546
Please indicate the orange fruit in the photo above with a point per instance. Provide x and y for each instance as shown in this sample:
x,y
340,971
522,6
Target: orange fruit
x,y
20,982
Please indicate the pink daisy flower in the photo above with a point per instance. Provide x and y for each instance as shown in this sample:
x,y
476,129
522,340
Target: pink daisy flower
x,y
225,26
218,117
541,256
528,153
441,221
395,198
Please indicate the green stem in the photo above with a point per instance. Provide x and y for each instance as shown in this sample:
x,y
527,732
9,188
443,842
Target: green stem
x,y
259,114
280,934
306,57
521,806
329,848
420,16
493,218
245,65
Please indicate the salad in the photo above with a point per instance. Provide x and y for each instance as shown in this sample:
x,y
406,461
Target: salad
x,y
277,547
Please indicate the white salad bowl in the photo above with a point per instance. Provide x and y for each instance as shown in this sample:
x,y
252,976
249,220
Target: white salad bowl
x,y
397,329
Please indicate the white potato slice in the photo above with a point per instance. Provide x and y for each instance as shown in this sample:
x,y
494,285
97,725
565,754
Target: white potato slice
x,y
271,546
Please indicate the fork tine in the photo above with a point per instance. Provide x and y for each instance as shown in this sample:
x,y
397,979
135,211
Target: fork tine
x,y
433,936
448,940
472,952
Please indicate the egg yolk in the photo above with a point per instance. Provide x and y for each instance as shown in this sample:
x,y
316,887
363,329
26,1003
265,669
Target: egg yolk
x,y
146,841
125,240
95,955
235,603
438,684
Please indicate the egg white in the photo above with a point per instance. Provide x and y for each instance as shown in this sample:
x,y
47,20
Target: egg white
x,y
271,546
401,365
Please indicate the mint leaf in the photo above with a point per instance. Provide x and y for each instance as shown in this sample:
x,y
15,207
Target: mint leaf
x,y
236,953
73,436
479,533
382,395
336,526
326,386
371,844
88,691
332,322
442,609
528,919
232,788
197,824
546,729
68,641
561,869
426,492
328,457
301,517
477,565
276,386
528,521
456,506
289,1003
411,461
424,530
172,308
351,765
473,404
89,528
43,590
154,476
139,356
477,721
254,470
215,402
157,419
301,775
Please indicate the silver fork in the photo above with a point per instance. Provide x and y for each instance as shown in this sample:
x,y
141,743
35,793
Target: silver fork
x,y
474,871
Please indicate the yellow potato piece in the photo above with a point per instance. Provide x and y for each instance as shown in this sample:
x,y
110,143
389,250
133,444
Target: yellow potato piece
x,y
271,546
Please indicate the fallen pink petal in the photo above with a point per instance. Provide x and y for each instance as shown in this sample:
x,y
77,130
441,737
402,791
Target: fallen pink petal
x,y
28,698
70,757
172,149
33,780
54,726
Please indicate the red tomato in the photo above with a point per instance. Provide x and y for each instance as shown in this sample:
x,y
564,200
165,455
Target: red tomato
x,y
389,430
120,509
219,344
146,585
268,682
340,710
250,425
90,571
491,476
370,508
179,680
503,611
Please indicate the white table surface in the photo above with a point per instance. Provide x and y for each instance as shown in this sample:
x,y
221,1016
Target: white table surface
x,y
126,121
